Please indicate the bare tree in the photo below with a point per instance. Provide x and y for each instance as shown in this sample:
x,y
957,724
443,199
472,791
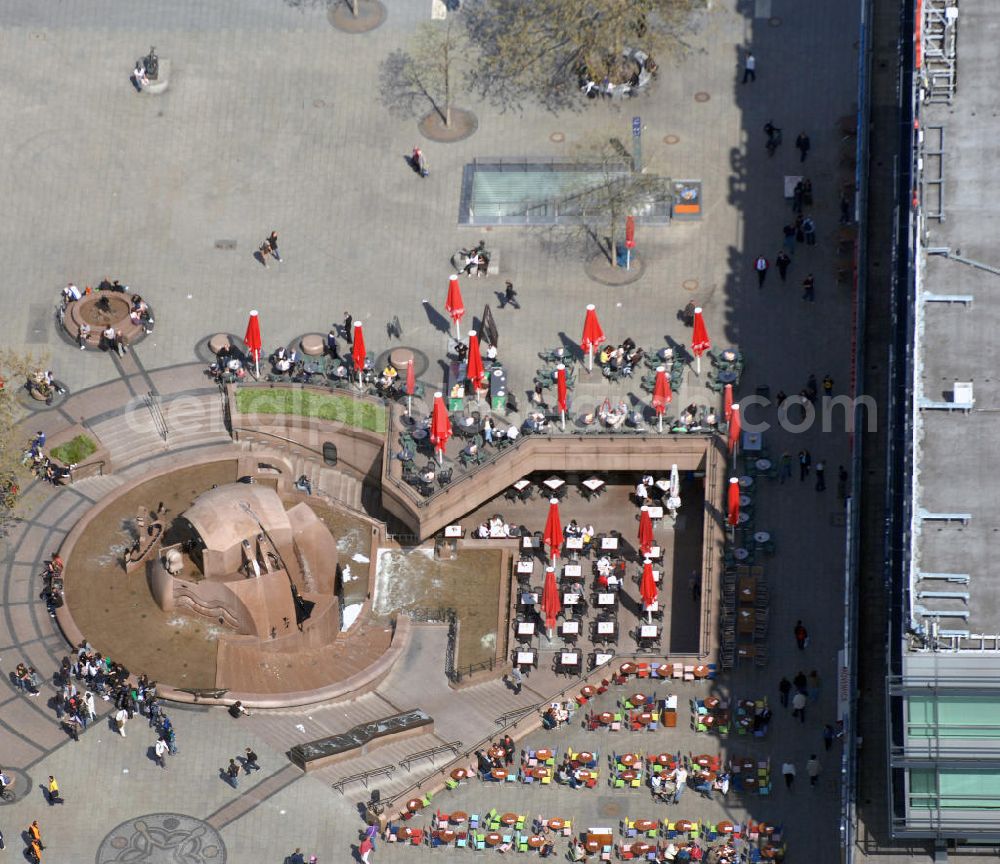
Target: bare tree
x,y
542,47
428,72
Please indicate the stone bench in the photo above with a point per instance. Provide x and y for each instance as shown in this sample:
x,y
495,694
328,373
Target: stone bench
x,y
219,342
162,81
123,324
312,344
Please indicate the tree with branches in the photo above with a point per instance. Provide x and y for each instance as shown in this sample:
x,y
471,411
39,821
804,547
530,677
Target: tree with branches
x,y
542,48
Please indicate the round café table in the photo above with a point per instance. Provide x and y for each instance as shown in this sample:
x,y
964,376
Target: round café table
x,y
771,851
445,835
750,783
459,816
588,691
712,702
406,833
556,824
748,704
583,775
539,773
629,759
701,671
741,554
535,841
708,720
637,698
762,536
682,825
725,827
508,819
645,718
640,848
745,481
663,759
591,846
585,758
628,776
645,824
493,838
543,754
745,500
744,517
415,804
704,760
605,717
496,752
766,828
626,668
459,774
499,773
763,464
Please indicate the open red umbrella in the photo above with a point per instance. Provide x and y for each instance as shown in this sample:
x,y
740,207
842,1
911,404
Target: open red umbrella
x,y
440,426
727,402
561,392
661,393
645,530
553,535
454,304
474,370
647,587
358,352
253,341
700,343
734,429
551,602
411,385
593,335
733,510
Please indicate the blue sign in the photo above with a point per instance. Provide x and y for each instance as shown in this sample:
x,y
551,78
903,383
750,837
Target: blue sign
x,y
636,127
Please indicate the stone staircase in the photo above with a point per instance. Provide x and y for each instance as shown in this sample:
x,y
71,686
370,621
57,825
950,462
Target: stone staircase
x,y
136,435
96,488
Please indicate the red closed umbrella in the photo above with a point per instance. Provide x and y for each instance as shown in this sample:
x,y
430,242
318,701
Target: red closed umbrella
x,y
454,304
733,508
629,241
440,426
700,343
647,587
561,392
734,429
411,385
593,335
474,370
553,535
253,341
551,602
358,352
727,402
645,530
661,393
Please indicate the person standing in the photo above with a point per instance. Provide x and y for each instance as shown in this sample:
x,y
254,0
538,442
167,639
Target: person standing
x,y
813,686
760,265
53,792
233,773
419,162
805,461
348,328
272,241
680,778
517,679
784,688
820,475
827,736
813,769
121,717
265,252
296,857
809,231
36,834
801,635
508,750
331,343
250,761
803,144
809,288
160,751
783,260
799,706
510,296
788,771
749,67
365,850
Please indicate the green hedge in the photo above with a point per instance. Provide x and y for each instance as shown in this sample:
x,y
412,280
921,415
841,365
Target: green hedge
x,y
75,451
358,413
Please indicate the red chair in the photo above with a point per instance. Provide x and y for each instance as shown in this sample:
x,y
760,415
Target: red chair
x,y
604,686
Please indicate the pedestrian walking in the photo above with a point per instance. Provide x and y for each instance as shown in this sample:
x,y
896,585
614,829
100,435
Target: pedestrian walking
x,y
799,706
264,251
510,296
788,772
789,232
73,725
809,288
749,67
827,736
784,688
348,328
121,718
820,475
680,778
760,265
813,769
809,231
90,706
35,833
365,850
296,857
802,144
160,751
801,635
53,792
805,461
250,761
34,852
517,679
800,682
783,259
842,483
813,686
785,469
233,773
418,162
272,241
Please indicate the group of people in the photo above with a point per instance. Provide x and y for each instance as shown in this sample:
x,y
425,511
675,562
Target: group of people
x,y
619,361
558,714
477,260
42,466
635,73
495,528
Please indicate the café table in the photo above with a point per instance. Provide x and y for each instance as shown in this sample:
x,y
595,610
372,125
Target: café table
x,y
587,690
554,482
569,628
646,824
701,671
745,500
739,553
574,544
528,598
535,841
683,825
639,847
406,832
419,434
584,758
527,566
493,838
725,827
743,518
726,376
712,702
746,481
569,659
762,536
628,776
637,699
750,783
626,668
574,571
746,587
521,484
525,628
609,542
591,845
704,760
530,541
606,628
649,631
582,775
607,598
571,598
525,658
508,819
540,772
605,717
766,828
654,553
415,804
543,754
460,774
746,620
445,835
499,773
663,759
708,720
496,752
662,485
593,483
556,824
645,718
763,464
629,759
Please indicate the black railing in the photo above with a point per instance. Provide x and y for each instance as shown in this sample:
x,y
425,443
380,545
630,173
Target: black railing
x,y
518,713
451,747
364,777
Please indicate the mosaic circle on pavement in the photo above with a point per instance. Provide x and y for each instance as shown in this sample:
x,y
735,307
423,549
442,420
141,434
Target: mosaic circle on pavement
x,y
163,838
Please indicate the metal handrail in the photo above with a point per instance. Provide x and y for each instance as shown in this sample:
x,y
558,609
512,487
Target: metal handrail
x,y
364,776
517,713
430,753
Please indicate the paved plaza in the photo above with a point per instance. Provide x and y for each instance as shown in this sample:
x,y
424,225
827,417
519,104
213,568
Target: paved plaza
x,y
272,121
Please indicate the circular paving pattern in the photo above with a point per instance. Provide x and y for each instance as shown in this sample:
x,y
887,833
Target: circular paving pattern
x,y
163,838
22,783
371,14
463,124
702,96
671,139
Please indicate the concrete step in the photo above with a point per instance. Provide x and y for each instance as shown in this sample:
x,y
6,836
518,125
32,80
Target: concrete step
x,y
385,754
97,487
